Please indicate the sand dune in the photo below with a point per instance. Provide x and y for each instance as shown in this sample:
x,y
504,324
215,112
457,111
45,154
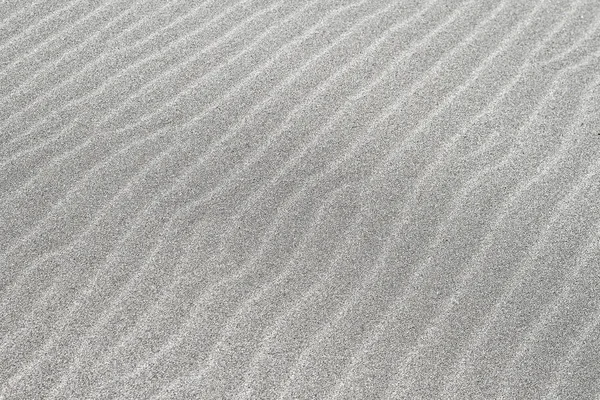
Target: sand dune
x,y
316,199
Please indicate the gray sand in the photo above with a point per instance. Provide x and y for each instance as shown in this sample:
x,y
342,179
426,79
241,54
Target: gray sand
x,y
314,199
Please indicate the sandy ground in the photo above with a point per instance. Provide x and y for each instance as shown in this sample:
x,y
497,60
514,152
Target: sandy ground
x,y
314,199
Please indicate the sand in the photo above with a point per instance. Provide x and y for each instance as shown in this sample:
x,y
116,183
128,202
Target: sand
x,y
315,199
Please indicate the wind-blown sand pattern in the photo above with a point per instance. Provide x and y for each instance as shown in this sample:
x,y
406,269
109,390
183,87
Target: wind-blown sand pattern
x,y
315,199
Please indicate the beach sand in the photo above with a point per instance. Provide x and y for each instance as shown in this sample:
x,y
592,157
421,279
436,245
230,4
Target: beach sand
x,y
314,199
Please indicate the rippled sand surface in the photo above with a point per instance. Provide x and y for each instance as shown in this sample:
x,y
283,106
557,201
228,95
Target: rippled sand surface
x,y
314,199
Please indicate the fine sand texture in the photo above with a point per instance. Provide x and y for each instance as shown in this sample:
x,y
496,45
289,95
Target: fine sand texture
x,y
299,199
